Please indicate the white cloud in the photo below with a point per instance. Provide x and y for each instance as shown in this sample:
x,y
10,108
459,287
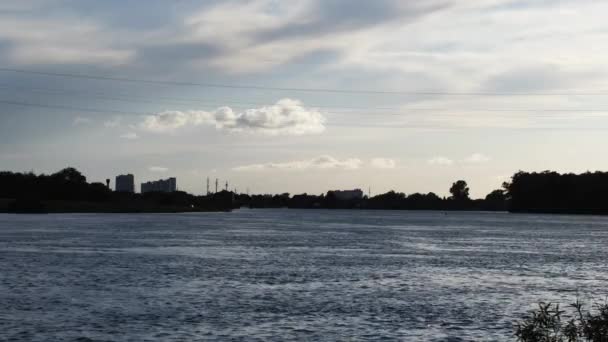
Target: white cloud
x,y
80,120
130,136
440,161
476,158
320,163
286,117
114,122
383,163
159,169
261,34
60,41
172,120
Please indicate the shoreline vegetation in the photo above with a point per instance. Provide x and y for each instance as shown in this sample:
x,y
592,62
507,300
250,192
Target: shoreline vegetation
x,y
575,323
67,191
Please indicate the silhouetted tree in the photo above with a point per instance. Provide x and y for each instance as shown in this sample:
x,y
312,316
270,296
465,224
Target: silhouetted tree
x,y
551,192
70,175
460,191
495,200
389,200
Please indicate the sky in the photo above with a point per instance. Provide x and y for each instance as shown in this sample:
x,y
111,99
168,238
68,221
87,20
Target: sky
x,y
305,96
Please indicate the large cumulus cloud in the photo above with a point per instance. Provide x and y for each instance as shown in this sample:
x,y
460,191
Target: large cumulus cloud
x,y
286,117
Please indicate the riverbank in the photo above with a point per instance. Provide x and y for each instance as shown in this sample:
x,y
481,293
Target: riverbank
x,y
62,206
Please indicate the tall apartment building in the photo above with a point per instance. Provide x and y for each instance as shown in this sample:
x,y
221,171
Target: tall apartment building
x,y
163,185
125,183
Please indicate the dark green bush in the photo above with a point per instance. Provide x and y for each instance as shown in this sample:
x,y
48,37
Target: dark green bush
x,y
550,324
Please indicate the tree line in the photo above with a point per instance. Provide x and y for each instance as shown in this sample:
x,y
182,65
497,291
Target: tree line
x,y
544,192
551,192
68,191
459,200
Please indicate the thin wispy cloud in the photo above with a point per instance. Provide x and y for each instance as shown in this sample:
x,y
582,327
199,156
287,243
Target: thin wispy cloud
x,y
383,163
81,120
477,158
324,162
114,122
253,31
67,40
158,169
130,136
442,161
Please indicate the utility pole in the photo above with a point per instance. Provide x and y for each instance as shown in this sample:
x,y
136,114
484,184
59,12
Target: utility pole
x,y
216,183
226,185
207,186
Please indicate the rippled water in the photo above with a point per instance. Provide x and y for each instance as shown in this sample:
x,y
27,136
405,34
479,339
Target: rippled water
x,y
290,275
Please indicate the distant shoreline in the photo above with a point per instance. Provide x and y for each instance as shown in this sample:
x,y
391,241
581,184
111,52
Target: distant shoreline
x,y
67,191
13,206
85,208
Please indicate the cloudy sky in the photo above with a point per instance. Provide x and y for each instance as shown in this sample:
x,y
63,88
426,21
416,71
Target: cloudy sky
x,y
305,96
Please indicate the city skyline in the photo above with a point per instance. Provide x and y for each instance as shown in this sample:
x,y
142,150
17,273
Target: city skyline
x,y
308,97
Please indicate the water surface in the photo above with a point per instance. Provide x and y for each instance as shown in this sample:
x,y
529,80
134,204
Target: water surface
x,y
283,275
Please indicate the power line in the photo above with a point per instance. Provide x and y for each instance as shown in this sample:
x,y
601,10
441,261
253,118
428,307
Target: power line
x,y
398,126
120,112
294,89
345,110
71,108
455,127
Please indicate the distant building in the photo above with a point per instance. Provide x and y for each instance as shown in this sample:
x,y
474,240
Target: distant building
x,y
125,183
163,185
347,195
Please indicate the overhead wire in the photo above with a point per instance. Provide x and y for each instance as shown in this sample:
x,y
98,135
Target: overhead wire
x,y
393,126
291,89
375,111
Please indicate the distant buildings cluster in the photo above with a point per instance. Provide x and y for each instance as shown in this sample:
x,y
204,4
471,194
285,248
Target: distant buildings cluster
x,y
126,183
348,195
163,185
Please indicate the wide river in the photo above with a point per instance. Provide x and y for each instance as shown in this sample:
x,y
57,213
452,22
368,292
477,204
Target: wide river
x,y
286,275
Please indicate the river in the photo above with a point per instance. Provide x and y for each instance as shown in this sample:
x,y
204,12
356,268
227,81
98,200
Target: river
x,y
291,275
